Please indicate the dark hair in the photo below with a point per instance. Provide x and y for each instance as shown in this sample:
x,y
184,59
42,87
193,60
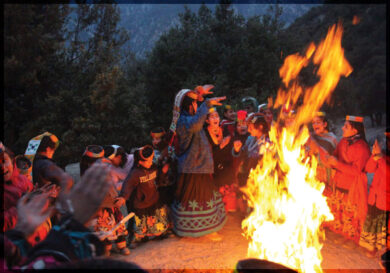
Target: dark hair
x,y
86,161
186,103
120,151
146,151
262,110
108,150
260,120
158,130
328,125
225,109
208,114
46,142
359,126
9,152
164,139
22,162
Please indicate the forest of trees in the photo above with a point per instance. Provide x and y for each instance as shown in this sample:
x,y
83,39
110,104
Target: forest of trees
x,y
92,91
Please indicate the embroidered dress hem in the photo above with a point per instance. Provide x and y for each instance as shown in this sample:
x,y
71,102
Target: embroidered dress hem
x,y
345,221
375,229
151,226
197,219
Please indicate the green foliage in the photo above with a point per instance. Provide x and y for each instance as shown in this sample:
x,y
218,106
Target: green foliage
x,y
33,36
222,48
75,89
76,81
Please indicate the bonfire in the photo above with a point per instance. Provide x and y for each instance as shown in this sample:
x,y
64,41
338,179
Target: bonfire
x,y
287,205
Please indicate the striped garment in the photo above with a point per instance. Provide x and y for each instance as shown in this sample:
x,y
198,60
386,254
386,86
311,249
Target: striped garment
x,y
375,229
195,219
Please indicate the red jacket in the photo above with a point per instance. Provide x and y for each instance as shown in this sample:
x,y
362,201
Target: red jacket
x,y
11,196
379,190
352,156
21,181
13,190
352,159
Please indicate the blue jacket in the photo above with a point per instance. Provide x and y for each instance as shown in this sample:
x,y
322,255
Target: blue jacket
x,y
195,151
251,152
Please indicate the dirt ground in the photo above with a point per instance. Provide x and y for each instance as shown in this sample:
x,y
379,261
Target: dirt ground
x,y
201,253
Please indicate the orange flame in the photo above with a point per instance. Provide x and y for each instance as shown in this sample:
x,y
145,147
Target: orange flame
x,y
286,197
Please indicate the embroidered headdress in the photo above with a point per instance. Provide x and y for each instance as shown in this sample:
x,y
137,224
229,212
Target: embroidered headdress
x,y
34,143
355,118
157,132
177,105
94,151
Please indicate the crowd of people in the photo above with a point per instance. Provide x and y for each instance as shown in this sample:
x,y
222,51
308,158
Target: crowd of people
x,y
184,182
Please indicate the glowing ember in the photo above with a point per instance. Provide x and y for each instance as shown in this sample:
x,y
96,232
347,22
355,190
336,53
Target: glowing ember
x,y
355,20
287,201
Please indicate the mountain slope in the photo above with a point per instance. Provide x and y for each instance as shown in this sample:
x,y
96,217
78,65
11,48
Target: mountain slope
x,y
147,22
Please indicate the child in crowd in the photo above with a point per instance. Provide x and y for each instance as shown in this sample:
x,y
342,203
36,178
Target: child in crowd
x,y
109,213
375,233
250,104
322,142
165,161
40,151
231,193
140,192
23,166
14,186
250,153
241,127
229,118
118,159
349,201
223,161
266,110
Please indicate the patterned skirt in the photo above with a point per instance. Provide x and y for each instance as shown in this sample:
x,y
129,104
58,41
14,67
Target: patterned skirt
x,y
198,208
375,229
150,223
105,220
345,220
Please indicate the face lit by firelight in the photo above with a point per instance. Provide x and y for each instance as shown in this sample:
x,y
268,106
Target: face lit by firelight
x,y
268,116
255,132
348,130
230,114
213,119
156,141
148,162
7,167
319,126
242,128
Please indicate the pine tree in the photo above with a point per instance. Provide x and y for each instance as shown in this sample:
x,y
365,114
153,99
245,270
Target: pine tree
x,y
33,36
